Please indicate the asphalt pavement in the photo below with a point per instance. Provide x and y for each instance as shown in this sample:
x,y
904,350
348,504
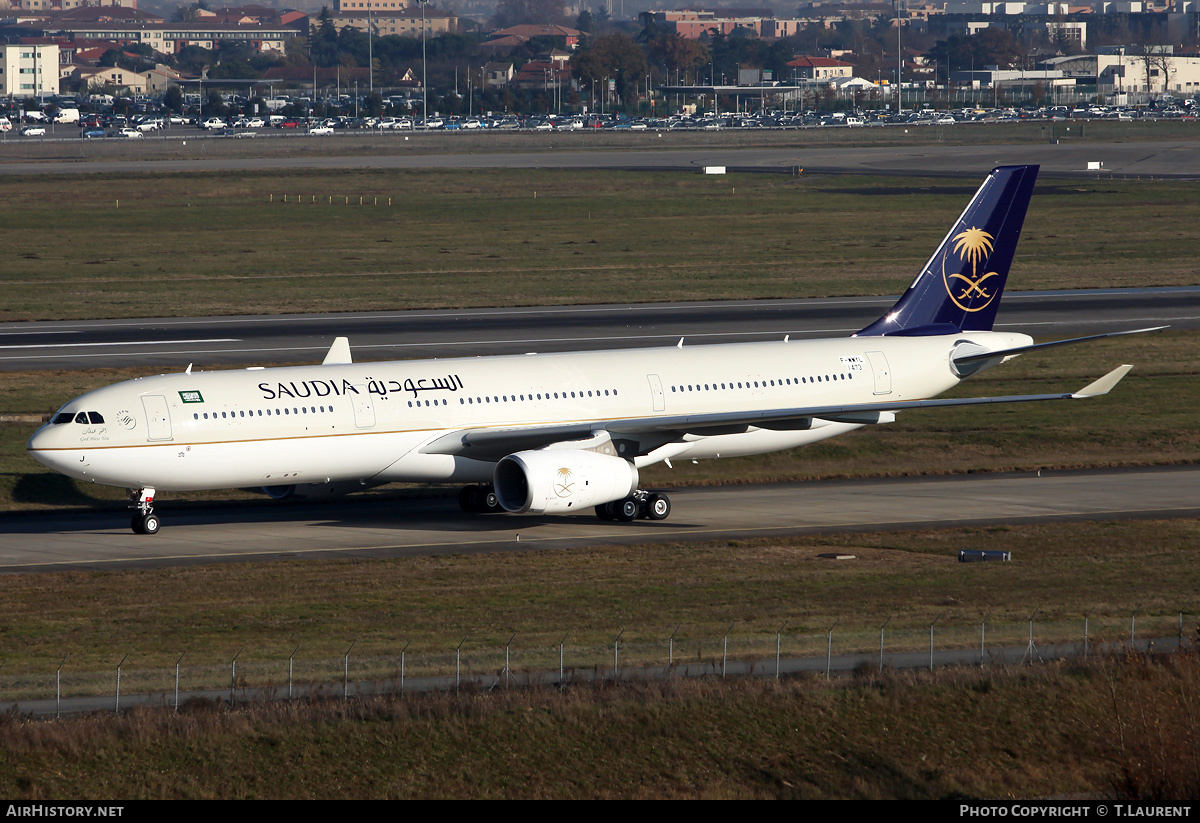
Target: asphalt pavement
x,y
434,524
232,341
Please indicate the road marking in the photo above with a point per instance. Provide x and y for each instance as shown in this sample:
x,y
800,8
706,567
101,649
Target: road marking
x,y
122,343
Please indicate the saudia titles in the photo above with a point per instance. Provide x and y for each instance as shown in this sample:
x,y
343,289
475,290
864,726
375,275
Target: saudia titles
x,y
972,246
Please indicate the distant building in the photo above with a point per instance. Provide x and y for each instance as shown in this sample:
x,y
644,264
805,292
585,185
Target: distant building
x,y
170,38
519,35
543,74
384,21
497,75
115,78
819,68
159,77
28,70
62,5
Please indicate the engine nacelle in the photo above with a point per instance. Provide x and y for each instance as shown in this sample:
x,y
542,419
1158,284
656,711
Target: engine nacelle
x,y
553,481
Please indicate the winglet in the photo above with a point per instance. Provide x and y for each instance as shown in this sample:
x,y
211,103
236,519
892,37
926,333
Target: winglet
x,y
339,353
1104,385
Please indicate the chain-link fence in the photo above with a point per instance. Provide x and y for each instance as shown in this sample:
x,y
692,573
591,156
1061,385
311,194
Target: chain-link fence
x,y
50,685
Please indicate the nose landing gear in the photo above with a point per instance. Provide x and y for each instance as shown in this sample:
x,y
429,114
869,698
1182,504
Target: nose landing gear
x,y
144,520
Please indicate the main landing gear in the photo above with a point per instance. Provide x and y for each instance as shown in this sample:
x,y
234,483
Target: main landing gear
x,y
479,499
144,520
641,504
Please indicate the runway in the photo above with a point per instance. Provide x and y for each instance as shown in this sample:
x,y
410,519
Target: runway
x,y
173,343
400,527
1064,159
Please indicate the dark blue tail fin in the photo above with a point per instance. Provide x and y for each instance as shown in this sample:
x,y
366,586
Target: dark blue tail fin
x,y
959,289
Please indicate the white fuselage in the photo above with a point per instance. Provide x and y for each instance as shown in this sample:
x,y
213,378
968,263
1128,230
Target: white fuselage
x,y
368,422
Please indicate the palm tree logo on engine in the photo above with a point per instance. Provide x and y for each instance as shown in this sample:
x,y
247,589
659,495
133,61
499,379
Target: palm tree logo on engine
x,y
973,246
561,487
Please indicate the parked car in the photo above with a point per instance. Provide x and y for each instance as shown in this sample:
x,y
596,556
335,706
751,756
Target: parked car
x,y
212,123
33,131
91,133
320,131
129,133
5,124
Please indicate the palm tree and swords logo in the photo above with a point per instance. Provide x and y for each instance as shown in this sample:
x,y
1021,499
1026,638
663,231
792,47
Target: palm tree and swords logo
x,y
561,487
972,246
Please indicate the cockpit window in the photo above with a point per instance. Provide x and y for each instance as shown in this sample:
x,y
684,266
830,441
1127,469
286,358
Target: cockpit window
x,y
81,417
95,417
62,417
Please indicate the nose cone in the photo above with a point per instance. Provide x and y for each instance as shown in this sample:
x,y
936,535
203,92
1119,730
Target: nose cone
x,y
48,446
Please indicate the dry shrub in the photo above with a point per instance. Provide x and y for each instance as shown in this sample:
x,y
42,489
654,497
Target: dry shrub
x,y
1152,735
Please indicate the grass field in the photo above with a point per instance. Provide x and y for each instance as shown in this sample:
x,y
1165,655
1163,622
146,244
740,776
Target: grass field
x,y
199,244
756,585
1110,730
1115,726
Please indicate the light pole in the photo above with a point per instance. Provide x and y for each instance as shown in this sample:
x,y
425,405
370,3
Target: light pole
x,y
899,63
424,68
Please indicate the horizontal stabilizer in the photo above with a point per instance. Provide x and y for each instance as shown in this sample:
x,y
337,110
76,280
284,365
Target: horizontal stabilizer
x,y
1001,354
339,353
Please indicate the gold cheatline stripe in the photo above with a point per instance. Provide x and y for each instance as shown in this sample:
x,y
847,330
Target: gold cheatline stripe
x,y
317,436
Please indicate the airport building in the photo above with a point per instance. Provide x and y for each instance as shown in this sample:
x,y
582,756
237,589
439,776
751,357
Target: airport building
x,y
170,38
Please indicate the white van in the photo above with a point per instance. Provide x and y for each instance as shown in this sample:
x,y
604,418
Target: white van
x,y
67,116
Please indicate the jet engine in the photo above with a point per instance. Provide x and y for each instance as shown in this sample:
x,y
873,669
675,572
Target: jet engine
x,y
553,481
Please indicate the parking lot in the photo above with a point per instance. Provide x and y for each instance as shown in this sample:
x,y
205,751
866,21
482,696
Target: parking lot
x,y
95,126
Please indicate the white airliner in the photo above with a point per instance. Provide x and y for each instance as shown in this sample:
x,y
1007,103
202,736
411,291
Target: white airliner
x,y
556,433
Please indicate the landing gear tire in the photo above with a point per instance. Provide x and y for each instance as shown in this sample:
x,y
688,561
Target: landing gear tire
x,y
144,520
145,524
605,511
626,510
479,499
469,499
658,507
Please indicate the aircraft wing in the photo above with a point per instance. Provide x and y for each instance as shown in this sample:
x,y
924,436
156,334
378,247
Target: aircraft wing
x,y
494,443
